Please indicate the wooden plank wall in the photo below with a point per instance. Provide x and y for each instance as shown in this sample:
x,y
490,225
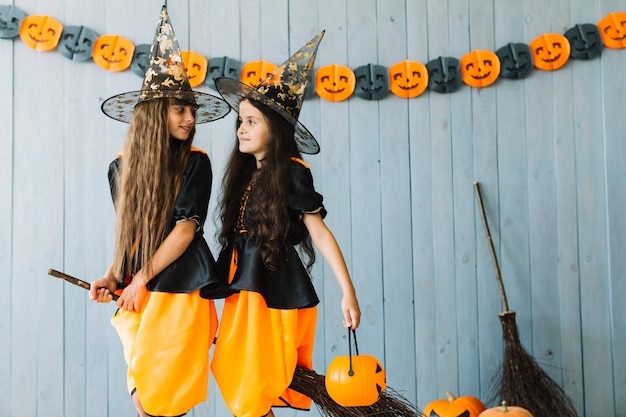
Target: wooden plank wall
x,y
397,178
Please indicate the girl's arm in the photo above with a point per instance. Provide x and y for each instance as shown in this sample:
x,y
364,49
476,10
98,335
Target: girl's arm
x,y
325,242
174,245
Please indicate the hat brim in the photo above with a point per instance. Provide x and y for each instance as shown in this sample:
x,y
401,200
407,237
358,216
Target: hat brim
x,y
233,91
121,107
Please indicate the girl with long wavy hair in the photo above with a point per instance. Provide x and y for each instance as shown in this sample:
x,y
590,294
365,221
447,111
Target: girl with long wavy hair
x,y
270,211
161,186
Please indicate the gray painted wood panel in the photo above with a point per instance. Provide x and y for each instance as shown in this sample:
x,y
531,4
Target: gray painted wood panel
x,y
397,176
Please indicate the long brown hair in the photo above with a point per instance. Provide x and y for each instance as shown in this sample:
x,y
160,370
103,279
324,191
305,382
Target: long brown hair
x,y
269,220
151,169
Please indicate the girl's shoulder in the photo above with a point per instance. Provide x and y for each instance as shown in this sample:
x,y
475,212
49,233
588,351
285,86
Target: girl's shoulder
x,y
195,150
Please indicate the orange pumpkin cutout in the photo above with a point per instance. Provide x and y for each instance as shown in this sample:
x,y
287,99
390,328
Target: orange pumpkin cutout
x,y
41,33
613,30
196,66
113,52
360,389
451,406
335,82
253,73
506,411
550,51
480,68
408,79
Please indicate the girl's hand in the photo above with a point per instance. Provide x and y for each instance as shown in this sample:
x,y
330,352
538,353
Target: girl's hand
x,y
351,312
102,288
132,296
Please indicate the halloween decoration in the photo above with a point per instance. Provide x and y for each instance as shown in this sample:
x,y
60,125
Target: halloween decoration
x,y
613,30
408,79
222,67
516,60
519,378
196,67
444,74
165,77
10,21
139,64
113,52
77,43
42,33
451,406
372,82
550,51
585,41
308,382
355,380
480,68
506,411
253,73
335,82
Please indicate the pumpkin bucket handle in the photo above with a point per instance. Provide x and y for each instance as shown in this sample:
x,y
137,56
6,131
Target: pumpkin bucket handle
x,y
356,349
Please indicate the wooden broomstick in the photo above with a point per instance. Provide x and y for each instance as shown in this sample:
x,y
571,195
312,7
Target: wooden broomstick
x,y
520,380
313,385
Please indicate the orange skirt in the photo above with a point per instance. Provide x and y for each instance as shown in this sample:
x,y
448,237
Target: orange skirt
x,y
256,354
166,347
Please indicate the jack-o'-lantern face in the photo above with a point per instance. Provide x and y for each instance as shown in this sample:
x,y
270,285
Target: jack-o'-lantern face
x,y
480,68
444,75
77,43
196,67
139,64
372,82
10,21
613,30
222,67
550,51
253,73
585,41
335,82
41,33
408,79
516,60
113,52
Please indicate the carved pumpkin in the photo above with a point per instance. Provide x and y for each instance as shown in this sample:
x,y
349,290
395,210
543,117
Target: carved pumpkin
x,y
335,82
480,68
253,73
41,33
113,52
506,411
196,66
444,75
222,67
516,60
77,43
408,79
451,406
372,82
585,41
10,21
359,389
550,51
613,30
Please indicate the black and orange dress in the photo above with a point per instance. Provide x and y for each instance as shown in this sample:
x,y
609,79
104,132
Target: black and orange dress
x,y
166,344
268,321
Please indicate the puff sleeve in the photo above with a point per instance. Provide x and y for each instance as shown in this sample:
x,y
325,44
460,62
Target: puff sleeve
x,y
195,190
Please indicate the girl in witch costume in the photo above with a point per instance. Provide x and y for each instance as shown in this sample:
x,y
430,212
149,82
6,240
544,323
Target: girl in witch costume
x,y
161,186
269,206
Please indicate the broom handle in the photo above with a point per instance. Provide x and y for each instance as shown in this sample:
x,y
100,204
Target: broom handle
x,y
505,303
75,281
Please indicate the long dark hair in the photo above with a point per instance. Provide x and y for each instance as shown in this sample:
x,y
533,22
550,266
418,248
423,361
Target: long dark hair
x,y
268,222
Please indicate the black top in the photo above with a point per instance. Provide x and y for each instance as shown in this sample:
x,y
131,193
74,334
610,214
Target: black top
x,y
289,286
195,268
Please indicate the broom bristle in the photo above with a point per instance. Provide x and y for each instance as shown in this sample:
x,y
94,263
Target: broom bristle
x,y
520,381
391,403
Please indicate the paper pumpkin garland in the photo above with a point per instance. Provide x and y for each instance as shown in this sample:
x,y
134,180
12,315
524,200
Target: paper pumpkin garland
x,y
405,79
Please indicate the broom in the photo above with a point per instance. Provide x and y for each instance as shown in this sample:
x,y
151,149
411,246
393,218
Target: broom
x,y
519,380
313,385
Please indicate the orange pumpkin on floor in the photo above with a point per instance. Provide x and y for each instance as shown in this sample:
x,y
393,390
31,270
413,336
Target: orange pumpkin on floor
x,y
505,410
451,406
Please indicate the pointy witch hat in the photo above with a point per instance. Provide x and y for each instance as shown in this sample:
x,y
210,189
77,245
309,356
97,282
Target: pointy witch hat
x,y
165,77
283,91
